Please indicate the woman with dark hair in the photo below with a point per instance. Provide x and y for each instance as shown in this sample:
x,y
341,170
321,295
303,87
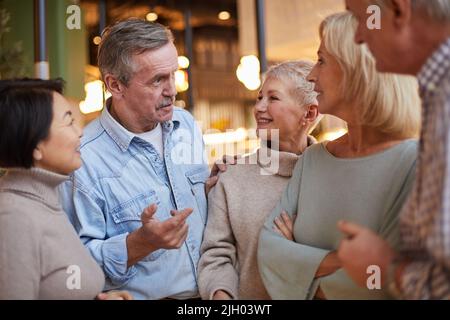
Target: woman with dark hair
x,y
41,257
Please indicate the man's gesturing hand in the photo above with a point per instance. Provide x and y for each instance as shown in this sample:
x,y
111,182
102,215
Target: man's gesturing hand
x,y
155,234
168,234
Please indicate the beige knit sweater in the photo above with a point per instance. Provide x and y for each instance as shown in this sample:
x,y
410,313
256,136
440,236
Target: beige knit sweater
x,y
41,256
237,208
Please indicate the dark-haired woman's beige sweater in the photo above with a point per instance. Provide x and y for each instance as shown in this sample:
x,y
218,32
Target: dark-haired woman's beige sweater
x,y
41,256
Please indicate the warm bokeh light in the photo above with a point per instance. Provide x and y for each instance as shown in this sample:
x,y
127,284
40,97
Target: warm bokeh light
x,y
180,103
181,81
224,15
152,16
332,135
94,97
225,137
183,62
248,72
97,40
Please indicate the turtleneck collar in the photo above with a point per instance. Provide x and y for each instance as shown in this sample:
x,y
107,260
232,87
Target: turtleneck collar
x,y
36,182
278,162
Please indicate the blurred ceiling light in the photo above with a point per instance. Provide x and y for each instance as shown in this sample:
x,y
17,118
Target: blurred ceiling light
x,y
151,16
224,15
180,103
183,62
248,72
181,81
97,40
226,137
94,97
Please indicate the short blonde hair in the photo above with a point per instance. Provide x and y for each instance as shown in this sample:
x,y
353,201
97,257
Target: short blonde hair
x,y
390,103
295,73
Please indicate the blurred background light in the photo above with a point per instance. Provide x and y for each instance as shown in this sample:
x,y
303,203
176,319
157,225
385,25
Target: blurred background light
x,y
181,81
151,16
95,97
248,72
224,15
183,62
97,40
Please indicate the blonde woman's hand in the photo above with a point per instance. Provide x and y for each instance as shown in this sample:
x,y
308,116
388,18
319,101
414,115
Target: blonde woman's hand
x,y
284,225
114,295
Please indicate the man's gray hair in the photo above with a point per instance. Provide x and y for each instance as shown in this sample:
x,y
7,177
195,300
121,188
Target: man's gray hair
x,y
121,41
437,10
295,73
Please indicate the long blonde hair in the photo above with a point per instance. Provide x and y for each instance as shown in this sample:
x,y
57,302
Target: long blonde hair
x,y
389,103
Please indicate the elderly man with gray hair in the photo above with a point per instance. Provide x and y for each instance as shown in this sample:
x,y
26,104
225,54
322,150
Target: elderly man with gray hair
x,y
138,203
414,39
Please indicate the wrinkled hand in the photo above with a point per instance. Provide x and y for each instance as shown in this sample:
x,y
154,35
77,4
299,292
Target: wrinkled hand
x,y
210,183
361,249
219,167
284,225
114,295
221,295
168,234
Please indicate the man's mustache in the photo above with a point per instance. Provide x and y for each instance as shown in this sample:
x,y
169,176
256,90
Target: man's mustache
x,y
166,103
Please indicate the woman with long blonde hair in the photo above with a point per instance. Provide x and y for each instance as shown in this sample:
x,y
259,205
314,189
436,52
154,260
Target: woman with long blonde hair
x,y
363,176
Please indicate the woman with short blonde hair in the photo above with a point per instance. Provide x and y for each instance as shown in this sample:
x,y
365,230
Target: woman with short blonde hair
x,y
363,176
246,192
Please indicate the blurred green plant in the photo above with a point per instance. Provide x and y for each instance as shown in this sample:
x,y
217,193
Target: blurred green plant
x,y
12,59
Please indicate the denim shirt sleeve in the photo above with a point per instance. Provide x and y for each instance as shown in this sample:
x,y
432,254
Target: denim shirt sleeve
x,y
85,213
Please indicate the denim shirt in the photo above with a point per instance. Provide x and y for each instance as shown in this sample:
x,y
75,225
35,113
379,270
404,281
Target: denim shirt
x,y
122,175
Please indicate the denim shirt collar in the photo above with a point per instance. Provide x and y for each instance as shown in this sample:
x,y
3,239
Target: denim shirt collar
x,y
121,136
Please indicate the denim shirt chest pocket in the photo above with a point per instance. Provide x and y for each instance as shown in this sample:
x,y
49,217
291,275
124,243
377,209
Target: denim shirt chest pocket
x,y
127,216
197,179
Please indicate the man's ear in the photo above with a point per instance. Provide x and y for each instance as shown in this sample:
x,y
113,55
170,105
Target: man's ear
x,y
402,12
113,85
